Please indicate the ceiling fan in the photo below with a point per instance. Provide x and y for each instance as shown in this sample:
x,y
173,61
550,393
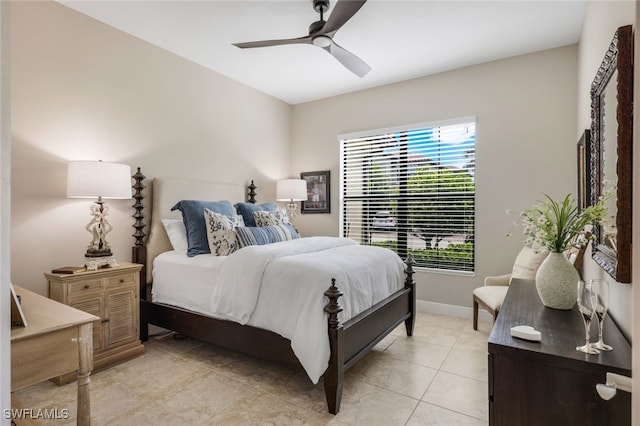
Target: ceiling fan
x,y
321,34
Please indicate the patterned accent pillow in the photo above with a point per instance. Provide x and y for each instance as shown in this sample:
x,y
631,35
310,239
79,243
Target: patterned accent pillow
x,y
220,232
252,236
264,218
193,217
247,210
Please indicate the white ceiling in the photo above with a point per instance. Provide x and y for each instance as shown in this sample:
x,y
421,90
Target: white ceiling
x,y
399,39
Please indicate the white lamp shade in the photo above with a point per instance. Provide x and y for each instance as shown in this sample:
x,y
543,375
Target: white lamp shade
x,y
93,179
291,189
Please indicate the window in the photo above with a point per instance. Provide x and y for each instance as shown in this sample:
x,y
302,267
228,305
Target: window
x,y
412,190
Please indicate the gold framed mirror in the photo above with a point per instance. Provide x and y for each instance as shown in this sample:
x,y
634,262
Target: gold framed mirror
x,y
611,155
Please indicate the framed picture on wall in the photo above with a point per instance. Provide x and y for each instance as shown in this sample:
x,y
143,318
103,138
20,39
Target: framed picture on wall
x,y
318,195
584,164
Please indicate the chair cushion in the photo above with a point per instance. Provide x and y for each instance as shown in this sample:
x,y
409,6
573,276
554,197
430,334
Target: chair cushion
x,y
492,296
527,262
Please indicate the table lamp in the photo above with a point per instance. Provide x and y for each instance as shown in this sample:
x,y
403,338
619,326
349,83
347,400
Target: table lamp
x,y
291,190
101,180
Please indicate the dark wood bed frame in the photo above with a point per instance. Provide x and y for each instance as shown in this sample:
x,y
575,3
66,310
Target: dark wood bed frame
x,y
349,341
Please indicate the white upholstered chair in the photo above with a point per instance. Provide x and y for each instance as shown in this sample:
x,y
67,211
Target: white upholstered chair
x,y
491,295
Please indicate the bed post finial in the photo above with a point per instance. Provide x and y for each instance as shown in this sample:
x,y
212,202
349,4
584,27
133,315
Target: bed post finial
x,y
333,307
138,206
409,271
252,193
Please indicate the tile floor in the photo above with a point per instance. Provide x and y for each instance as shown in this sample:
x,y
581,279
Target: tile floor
x,y
436,377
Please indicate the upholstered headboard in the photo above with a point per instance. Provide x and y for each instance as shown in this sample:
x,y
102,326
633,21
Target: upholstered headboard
x,y
166,192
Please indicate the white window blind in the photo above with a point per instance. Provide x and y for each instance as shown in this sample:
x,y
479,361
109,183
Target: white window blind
x,y
412,190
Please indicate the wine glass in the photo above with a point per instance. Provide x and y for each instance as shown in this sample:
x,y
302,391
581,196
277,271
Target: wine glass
x,y
601,299
586,307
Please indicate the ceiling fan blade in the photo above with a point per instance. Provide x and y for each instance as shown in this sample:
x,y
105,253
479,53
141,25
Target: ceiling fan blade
x,y
342,12
348,59
267,43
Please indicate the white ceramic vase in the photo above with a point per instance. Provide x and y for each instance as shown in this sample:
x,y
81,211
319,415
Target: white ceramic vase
x,y
557,282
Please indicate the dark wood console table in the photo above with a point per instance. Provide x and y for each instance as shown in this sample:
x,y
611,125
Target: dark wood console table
x,y
549,382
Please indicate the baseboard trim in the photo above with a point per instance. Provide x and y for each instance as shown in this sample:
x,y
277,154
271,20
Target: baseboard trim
x,y
451,310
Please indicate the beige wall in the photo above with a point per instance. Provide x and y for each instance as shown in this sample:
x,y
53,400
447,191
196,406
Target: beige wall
x,y
601,21
525,109
85,91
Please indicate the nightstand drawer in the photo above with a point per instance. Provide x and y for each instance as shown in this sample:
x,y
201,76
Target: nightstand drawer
x,y
89,286
120,280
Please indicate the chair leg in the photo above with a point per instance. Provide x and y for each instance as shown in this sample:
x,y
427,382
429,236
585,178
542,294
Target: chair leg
x,y
495,315
475,314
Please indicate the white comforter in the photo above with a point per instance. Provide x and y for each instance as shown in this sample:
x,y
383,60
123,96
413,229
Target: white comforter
x,y
280,287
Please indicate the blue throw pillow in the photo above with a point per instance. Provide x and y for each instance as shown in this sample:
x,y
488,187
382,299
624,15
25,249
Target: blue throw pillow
x,y
252,236
193,218
246,211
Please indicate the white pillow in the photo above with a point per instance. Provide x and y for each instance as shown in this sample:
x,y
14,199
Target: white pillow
x,y
527,262
177,234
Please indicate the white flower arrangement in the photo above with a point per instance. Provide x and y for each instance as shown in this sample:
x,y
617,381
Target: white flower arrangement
x,y
559,225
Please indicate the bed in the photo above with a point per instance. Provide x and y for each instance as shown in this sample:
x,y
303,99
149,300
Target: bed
x,y
340,328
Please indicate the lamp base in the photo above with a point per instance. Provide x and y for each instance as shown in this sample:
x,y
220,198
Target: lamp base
x,y
292,210
95,252
93,263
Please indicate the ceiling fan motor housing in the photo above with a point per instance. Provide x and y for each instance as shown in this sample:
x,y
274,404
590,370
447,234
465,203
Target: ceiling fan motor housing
x,y
316,26
321,6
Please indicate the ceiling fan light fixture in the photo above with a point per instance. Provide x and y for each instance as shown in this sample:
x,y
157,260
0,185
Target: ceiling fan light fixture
x,y
322,41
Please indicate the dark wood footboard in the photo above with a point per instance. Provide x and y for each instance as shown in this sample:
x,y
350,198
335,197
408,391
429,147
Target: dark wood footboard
x,y
352,340
349,341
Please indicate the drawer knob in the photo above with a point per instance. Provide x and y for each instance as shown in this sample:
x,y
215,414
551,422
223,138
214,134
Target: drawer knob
x,y
121,280
86,286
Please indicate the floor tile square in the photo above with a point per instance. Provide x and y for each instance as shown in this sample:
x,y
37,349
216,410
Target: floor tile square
x,y
460,394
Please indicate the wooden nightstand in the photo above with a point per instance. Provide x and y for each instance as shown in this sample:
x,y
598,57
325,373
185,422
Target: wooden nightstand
x,y
112,294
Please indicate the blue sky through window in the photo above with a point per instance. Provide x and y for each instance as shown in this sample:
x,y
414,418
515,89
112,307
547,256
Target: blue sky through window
x,y
445,145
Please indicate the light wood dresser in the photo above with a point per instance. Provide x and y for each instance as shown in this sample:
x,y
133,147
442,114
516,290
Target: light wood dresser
x,y
112,294
56,340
